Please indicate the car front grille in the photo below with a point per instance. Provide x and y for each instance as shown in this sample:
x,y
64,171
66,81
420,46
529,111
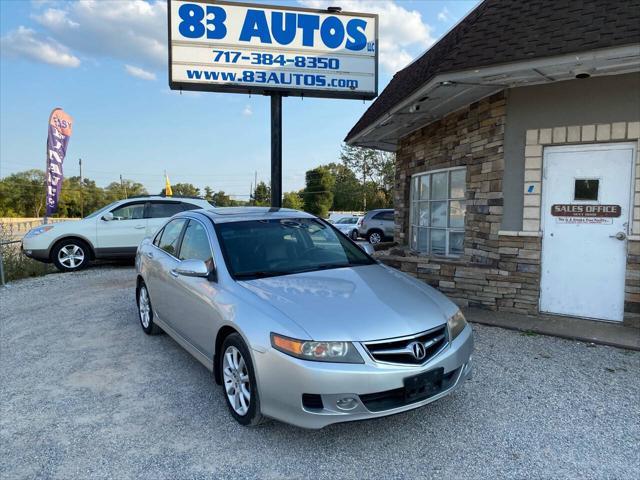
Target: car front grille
x,y
415,350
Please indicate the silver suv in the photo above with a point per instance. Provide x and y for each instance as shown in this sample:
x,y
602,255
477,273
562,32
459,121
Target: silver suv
x,y
377,225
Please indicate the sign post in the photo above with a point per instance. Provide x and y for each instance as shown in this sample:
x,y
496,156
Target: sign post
x,y
276,150
233,47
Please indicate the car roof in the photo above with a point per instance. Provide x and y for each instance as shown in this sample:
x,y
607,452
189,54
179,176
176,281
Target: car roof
x,y
241,214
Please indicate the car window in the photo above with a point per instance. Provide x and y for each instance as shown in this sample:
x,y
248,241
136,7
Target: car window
x,y
347,220
156,239
171,236
130,211
264,248
195,244
383,216
189,206
164,209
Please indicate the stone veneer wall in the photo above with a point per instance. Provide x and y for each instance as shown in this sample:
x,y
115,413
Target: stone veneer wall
x,y
499,270
495,272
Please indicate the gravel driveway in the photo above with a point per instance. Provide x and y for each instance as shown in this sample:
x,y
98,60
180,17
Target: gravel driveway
x,y
85,394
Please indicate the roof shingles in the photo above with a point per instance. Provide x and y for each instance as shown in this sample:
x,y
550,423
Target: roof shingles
x,y
503,31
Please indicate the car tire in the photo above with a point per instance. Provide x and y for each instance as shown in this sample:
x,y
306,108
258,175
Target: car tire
x,y
145,311
71,255
374,237
239,381
354,235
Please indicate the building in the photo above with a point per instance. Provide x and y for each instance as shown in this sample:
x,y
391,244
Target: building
x,y
518,175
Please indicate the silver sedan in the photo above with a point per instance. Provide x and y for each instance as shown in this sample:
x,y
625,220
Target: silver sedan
x,y
295,320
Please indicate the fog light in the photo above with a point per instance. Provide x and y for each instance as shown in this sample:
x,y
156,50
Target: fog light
x,y
347,403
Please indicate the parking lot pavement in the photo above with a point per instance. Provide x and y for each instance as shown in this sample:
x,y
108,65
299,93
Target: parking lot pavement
x,y
85,394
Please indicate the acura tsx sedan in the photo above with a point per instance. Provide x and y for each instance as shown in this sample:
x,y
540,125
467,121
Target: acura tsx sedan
x,y
295,320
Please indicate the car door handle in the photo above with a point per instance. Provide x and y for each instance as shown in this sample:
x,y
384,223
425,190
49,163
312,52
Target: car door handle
x,y
173,273
139,227
619,236
149,254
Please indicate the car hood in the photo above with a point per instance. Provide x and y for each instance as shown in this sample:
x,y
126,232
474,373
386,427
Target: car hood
x,y
362,303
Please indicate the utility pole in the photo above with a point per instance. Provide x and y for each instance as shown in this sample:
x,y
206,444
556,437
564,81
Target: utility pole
x,y
81,190
123,188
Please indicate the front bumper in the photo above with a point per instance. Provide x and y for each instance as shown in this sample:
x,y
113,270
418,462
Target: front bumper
x,y
282,380
41,255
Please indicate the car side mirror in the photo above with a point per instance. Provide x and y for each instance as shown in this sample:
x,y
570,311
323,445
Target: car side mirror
x,y
367,247
107,217
192,268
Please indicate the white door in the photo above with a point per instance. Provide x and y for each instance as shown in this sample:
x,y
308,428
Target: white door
x,y
585,214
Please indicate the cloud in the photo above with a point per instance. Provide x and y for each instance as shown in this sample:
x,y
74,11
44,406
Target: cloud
x,y
133,31
140,73
403,33
25,43
444,15
247,111
55,18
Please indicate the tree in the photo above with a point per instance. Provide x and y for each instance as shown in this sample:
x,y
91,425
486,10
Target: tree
x,y
221,199
370,166
183,190
22,194
318,194
347,191
124,189
292,200
262,195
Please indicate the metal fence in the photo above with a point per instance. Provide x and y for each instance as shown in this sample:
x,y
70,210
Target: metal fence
x,y
2,244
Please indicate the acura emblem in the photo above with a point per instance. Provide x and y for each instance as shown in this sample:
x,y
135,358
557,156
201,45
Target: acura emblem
x,y
418,351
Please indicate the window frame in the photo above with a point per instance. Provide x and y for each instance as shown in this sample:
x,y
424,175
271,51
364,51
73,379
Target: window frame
x,y
128,204
414,208
209,238
180,235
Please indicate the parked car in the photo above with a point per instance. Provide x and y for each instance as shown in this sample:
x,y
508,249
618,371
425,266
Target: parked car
x,y
348,226
296,321
377,225
114,231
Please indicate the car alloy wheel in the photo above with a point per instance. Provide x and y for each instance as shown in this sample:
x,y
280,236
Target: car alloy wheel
x,y
71,256
374,238
145,311
236,380
144,307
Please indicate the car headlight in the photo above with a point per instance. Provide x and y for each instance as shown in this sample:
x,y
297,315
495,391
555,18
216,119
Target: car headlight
x,y
456,324
338,352
38,231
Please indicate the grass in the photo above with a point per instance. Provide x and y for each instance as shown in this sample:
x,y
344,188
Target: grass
x,y
16,264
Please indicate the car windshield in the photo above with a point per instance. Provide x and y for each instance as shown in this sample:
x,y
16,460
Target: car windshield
x,y
347,221
268,248
100,210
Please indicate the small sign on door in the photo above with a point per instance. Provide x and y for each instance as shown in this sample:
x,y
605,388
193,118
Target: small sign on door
x,y
585,211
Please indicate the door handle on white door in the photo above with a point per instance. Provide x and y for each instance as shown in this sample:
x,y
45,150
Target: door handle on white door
x,y
619,236
173,273
149,254
139,227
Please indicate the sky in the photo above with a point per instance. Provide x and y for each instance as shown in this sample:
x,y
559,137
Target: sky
x,y
105,63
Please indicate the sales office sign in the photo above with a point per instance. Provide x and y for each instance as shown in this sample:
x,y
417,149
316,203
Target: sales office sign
x,y
251,48
585,213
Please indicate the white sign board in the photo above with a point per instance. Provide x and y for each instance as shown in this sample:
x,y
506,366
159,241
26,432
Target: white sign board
x,y
250,48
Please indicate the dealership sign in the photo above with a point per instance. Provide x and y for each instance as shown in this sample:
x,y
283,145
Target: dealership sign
x,y
250,48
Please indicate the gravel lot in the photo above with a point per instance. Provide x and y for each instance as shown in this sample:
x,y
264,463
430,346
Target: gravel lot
x,y
85,394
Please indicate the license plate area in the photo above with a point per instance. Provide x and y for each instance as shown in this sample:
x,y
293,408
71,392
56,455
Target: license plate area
x,y
423,385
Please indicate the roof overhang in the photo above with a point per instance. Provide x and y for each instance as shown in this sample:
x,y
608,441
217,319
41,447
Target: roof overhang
x,y
448,92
